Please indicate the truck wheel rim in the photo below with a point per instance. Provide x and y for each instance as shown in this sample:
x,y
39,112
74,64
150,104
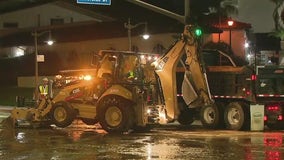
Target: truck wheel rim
x,y
113,116
234,116
60,114
209,115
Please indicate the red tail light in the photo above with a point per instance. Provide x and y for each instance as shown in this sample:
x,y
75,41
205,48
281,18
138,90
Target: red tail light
x,y
265,118
247,92
280,118
148,98
275,107
253,77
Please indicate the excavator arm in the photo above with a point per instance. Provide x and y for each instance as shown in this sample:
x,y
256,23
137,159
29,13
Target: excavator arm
x,y
195,87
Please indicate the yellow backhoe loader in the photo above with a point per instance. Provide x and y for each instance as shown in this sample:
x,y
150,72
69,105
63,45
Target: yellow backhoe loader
x,y
130,90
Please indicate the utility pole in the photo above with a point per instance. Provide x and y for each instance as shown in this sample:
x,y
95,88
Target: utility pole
x,y
129,27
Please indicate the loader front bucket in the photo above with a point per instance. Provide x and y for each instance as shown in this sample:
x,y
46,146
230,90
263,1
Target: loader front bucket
x,y
26,117
22,117
8,123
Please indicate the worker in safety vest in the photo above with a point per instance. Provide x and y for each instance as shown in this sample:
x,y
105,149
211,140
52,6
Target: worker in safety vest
x,y
43,88
131,75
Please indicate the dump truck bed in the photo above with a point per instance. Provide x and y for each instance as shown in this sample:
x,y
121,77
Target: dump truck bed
x,y
270,82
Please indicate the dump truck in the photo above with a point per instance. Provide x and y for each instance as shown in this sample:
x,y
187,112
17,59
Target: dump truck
x,y
235,89
128,92
231,87
246,84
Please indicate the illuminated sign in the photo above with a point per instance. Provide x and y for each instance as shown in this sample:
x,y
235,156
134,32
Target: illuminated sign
x,y
97,2
40,58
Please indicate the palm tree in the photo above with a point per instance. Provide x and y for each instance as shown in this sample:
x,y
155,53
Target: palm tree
x,y
275,13
225,8
214,11
278,29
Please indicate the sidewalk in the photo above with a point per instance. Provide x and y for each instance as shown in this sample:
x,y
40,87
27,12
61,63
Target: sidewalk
x,y
6,108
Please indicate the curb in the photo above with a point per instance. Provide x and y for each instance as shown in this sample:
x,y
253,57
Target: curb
x,y
6,108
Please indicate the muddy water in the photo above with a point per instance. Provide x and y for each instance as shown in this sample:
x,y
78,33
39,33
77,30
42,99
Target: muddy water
x,y
171,142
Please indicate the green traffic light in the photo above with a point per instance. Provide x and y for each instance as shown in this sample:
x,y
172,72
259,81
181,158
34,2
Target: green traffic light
x,y
198,32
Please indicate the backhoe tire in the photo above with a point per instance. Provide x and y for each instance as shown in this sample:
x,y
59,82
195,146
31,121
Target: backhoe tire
x,y
88,121
62,114
186,117
210,117
234,116
115,116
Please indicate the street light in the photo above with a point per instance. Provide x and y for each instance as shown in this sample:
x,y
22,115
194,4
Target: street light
x,y
129,26
50,41
230,24
35,34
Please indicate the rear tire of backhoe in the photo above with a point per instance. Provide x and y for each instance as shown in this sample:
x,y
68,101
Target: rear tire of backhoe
x,y
62,114
115,116
186,117
211,117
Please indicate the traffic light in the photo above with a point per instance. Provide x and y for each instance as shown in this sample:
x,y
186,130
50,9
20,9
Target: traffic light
x,y
198,32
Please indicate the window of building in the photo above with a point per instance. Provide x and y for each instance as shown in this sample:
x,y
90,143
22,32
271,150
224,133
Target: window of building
x,y
10,25
56,21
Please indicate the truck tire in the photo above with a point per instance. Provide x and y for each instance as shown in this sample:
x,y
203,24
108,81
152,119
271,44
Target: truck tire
x,y
210,116
234,116
114,116
62,114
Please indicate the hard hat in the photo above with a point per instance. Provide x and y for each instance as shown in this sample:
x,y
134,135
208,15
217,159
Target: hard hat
x,y
45,79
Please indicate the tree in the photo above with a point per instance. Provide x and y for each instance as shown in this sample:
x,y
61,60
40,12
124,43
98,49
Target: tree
x,y
278,29
212,11
275,15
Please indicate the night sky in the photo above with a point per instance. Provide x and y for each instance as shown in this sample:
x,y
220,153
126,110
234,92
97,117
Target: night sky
x,y
178,5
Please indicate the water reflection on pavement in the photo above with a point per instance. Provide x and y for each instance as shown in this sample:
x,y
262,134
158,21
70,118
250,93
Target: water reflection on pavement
x,y
170,142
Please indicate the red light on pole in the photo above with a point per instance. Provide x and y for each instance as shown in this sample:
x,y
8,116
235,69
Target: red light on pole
x,y
230,24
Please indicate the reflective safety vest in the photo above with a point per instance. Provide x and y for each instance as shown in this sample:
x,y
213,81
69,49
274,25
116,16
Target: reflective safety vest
x,y
43,90
131,74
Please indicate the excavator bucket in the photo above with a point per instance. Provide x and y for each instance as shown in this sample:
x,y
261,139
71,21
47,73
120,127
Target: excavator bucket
x,y
188,91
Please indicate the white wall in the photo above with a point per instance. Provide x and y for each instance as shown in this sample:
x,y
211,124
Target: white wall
x,y
86,48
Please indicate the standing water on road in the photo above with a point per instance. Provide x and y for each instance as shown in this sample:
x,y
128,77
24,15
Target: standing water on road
x,y
170,142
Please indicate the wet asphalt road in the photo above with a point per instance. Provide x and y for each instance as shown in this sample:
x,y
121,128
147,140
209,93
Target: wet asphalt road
x,y
81,142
